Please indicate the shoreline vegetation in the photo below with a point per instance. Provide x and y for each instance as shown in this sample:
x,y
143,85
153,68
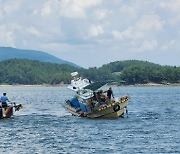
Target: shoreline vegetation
x,y
129,73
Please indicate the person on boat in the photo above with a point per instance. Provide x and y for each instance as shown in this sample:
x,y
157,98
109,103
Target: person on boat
x,y
4,100
95,96
110,93
103,97
98,95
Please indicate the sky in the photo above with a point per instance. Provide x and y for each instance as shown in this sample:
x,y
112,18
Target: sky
x,y
91,33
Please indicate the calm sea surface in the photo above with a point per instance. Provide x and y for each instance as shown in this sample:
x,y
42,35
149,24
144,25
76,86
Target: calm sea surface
x,y
43,126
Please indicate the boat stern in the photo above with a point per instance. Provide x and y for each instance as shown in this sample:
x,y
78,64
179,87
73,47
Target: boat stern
x,y
112,110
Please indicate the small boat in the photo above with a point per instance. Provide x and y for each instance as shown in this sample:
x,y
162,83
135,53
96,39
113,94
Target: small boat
x,y
10,110
91,102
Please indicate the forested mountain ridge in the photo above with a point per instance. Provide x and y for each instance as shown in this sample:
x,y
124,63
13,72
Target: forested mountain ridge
x,y
11,53
135,71
23,71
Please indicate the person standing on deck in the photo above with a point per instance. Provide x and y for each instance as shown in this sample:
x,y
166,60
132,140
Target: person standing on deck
x,y
4,100
110,93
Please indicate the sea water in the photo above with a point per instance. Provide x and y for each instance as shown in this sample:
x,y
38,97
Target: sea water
x,y
44,126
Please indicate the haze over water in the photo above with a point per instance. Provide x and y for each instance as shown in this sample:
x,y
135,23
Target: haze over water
x,y
43,125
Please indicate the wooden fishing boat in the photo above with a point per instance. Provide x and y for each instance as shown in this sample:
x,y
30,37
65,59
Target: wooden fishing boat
x,y
89,101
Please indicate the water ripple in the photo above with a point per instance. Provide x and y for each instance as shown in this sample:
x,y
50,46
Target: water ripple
x,y
43,126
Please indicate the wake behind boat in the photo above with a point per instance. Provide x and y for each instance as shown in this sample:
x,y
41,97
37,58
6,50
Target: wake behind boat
x,y
9,111
91,102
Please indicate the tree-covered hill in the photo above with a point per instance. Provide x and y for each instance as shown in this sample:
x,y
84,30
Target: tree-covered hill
x,y
118,66
11,53
23,71
135,71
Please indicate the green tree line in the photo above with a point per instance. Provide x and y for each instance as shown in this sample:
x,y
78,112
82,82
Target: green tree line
x,y
23,71
134,72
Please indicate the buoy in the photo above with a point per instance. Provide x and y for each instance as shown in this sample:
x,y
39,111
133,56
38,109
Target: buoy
x,y
116,108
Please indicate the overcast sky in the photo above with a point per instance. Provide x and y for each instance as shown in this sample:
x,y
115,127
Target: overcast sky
x,y
94,32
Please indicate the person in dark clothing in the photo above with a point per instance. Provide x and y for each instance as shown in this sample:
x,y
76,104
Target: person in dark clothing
x,y
110,93
4,100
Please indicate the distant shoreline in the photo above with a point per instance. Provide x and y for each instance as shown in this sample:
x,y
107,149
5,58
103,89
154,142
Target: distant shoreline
x,y
38,85
155,85
64,85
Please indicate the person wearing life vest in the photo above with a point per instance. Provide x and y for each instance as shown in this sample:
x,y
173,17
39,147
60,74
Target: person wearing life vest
x,y
4,101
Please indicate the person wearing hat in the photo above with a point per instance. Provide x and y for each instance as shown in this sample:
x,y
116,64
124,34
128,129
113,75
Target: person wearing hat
x,y
4,100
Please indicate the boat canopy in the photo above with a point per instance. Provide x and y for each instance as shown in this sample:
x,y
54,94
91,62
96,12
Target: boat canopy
x,y
78,83
96,85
